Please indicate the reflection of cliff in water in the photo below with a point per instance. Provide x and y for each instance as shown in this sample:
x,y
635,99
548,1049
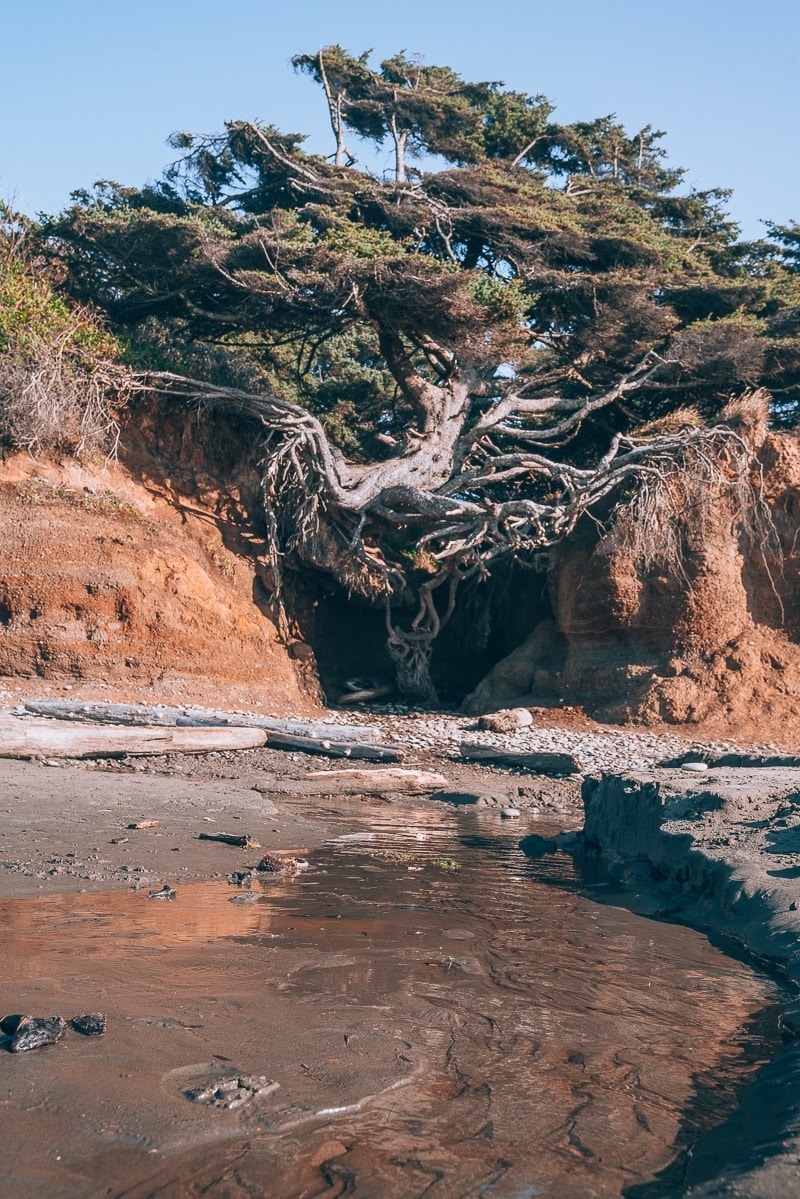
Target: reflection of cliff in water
x,y
117,923
486,1030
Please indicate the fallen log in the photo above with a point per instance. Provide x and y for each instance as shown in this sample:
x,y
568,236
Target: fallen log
x,y
365,696
283,728
34,738
147,715
334,749
372,782
536,763
732,761
243,841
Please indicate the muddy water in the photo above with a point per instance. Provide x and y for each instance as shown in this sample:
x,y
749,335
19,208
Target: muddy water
x,y
488,1030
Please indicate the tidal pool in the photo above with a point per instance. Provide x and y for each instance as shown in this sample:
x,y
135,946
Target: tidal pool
x,y
425,1011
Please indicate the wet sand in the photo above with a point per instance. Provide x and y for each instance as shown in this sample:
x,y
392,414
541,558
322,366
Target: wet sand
x,y
482,1030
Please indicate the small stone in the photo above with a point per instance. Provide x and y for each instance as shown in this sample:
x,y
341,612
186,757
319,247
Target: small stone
x,y
166,892
699,767
90,1024
509,813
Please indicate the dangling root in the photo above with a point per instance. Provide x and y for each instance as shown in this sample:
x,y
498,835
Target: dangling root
x,y
411,656
410,651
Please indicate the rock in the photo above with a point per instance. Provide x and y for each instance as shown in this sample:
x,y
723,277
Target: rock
x,y
506,720
241,878
515,678
34,1032
459,798
230,1093
569,842
508,813
274,864
166,892
90,1024
535,846
699,767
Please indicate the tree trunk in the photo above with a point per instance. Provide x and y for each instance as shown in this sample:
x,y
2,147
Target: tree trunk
x,y
400,145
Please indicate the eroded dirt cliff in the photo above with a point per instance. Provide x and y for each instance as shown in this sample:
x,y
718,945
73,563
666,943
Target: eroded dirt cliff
x,y
715,640
149,573
126,575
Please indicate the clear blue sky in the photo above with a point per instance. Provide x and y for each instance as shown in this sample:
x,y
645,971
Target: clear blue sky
x,y
92,89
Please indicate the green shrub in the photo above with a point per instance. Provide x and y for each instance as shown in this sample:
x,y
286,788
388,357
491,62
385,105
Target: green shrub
x,y
61,379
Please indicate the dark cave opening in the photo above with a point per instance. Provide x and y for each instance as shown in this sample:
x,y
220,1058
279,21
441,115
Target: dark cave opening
x,y
348,636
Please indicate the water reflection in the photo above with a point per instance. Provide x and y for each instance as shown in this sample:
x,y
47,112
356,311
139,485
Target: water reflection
x,y
443,1017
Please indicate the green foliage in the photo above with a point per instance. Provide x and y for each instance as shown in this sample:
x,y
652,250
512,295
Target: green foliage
x,y
32,312
60,374
558,254
515,127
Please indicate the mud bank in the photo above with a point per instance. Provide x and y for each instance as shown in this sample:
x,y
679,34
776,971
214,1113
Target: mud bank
x,y
721,854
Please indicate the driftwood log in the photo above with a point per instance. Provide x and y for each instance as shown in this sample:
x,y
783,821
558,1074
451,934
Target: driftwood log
x,y
537,763
53,739
366,695
371,782
335,749
149,715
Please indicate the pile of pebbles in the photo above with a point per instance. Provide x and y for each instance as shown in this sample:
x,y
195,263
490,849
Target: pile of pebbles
x,y
597,749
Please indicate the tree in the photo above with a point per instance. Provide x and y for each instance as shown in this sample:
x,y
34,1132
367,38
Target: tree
x,y
420,109
446,371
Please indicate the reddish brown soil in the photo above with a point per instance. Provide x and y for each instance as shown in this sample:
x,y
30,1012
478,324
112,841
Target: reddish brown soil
x,y
110,581
714,646
145,579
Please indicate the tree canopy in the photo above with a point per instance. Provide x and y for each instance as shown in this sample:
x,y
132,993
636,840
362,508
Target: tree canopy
x,y
451,365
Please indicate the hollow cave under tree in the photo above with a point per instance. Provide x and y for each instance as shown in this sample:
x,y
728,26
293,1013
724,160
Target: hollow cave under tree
x,y
447,367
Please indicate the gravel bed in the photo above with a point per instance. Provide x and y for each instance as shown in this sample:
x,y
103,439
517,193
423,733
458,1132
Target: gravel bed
x,y
597,749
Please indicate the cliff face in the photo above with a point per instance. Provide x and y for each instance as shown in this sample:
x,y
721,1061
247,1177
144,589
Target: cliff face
x,y
149,575
141,575
716,640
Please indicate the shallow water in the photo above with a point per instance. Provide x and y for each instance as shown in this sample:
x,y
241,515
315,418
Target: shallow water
x,y
487,1030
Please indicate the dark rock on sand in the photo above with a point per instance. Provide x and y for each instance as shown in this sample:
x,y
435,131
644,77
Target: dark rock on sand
x,y
90,1024
35,1031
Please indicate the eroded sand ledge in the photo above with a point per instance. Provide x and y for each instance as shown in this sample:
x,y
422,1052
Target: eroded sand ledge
x,y
729,844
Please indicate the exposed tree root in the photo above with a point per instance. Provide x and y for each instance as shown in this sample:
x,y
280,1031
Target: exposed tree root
x,y
462,502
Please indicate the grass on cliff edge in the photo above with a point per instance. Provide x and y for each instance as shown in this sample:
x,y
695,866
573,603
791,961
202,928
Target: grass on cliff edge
x,y
62,380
